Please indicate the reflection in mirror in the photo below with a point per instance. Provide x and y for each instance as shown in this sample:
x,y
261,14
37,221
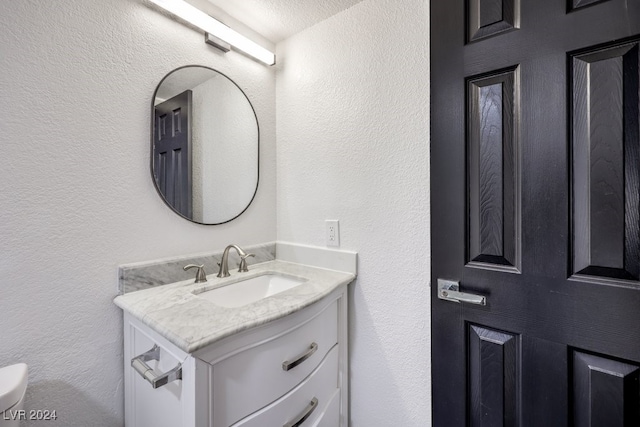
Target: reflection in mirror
x,y
204,145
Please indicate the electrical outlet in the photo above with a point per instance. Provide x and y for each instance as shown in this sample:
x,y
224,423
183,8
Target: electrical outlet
x,y
333,232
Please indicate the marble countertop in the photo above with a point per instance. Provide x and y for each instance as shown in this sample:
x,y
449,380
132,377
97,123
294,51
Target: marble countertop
x,y
191,322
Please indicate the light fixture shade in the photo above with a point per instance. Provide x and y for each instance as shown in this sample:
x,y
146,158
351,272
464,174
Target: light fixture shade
x,y
195,16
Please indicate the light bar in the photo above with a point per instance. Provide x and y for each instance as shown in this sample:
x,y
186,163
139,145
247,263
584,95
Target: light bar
x,y
195,16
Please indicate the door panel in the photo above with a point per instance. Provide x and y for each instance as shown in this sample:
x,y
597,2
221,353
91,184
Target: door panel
x,y
605,148
577,4
493,377
493,184
606,392
490,17
535,163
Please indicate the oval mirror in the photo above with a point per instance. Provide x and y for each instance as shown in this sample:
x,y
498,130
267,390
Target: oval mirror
x,y
204,145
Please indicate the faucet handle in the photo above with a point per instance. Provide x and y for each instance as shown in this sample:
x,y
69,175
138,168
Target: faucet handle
x,y
201,276
242,267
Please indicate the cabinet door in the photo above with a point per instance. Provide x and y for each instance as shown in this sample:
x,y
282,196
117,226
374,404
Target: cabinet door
x,y
145,406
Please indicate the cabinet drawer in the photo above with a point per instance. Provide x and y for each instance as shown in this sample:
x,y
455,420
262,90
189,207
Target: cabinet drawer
x,y
331,415
322,385
254,378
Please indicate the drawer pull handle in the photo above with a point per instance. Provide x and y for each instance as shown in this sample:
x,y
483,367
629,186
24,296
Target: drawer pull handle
x,y
286,365
304,415
156,380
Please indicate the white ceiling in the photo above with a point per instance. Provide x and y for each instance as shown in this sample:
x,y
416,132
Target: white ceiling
x,y
277,20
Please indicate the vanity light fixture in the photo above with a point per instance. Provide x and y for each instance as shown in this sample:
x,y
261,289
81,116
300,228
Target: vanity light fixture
x,y
217,29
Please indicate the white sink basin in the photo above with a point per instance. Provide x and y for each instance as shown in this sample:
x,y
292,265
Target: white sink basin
x,y
251,290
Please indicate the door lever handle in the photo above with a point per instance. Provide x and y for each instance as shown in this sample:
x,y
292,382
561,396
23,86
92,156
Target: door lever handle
x,y
450,291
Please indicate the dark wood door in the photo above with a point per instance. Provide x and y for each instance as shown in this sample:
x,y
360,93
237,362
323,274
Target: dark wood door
x,y
535,188
172,166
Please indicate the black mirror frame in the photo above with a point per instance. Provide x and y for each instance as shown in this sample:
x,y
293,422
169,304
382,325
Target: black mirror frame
x,y
152,128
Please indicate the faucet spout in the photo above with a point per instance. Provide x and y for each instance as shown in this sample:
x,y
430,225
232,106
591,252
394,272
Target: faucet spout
x,y
224,262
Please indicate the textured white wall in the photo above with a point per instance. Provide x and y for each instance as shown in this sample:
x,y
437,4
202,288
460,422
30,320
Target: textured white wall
x,y
353,144
76,81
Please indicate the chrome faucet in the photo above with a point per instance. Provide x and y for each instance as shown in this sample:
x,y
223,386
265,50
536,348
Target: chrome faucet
x,y
224,262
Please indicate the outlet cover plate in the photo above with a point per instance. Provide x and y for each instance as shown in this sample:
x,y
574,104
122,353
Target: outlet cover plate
x,y
333,232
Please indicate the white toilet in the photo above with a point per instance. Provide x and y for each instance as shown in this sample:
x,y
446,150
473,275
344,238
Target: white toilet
x,y
13,385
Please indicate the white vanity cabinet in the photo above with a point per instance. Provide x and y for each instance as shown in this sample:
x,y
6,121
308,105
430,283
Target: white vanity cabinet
x,y
289,372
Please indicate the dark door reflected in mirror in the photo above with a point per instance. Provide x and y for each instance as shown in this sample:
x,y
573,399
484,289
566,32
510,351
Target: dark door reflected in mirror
x,y
204,145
